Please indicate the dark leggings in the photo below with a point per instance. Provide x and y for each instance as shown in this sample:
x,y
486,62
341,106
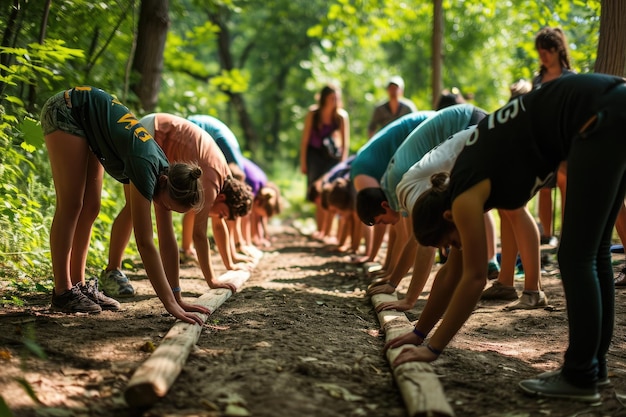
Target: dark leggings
x,y
596,184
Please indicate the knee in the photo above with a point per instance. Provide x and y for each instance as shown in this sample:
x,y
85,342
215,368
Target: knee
x,y
91,209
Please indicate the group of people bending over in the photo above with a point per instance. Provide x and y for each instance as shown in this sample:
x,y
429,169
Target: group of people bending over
x,y
435,177
192,166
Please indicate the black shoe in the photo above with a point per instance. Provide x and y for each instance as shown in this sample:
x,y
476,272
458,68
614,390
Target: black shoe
x,y
73,301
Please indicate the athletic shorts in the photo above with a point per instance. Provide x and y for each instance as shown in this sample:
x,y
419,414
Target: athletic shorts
x,y
56,114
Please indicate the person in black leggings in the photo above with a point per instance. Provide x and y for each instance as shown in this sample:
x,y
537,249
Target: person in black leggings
x,y
511,155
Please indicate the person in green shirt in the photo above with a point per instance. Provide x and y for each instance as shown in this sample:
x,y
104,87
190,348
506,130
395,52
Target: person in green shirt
x,y
88,131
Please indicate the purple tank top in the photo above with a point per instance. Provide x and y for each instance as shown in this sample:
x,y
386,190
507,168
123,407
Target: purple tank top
x,y
315,140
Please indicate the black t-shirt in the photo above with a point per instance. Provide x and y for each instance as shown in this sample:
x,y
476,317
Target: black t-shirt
x,y
519,147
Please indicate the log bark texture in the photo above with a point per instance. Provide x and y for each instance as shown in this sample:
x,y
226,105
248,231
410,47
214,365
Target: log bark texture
x,y
418,382
153,379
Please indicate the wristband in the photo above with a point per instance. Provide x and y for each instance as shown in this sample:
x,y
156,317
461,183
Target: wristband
x,y
433,350
176,289
419,334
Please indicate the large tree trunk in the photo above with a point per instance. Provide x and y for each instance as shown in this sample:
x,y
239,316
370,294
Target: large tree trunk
x,y
227,63
611,58
437,50
153,25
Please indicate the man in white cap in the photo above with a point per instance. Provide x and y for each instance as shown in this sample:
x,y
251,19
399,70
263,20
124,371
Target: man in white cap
x,y
396,107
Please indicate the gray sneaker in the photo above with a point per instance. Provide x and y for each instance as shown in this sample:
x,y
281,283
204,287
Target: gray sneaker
x,y
115,283
529,300
91,291
73,301
600,383
497,291
554,385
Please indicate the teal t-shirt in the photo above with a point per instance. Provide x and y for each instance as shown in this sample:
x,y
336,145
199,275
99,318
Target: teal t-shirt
x,y
422,139
124,147
373,157
223,136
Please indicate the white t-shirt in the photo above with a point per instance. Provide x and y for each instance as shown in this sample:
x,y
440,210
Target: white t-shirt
x,y
439,159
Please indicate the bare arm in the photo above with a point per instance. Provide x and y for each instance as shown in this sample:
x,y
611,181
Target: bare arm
x,y
345,135
201,242
422,265
304,143
142,224
168,249
467,213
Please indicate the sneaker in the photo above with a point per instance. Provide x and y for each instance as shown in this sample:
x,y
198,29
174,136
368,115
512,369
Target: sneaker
x,y
554,385
91,291
620,278
529,300
497,291
115,283
549,240
187,257
493,270
73,301
601,382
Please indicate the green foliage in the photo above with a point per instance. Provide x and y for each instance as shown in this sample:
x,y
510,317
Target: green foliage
x,y
4,408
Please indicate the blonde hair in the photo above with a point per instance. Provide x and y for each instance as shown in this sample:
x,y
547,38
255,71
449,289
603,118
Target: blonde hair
x,y
183,184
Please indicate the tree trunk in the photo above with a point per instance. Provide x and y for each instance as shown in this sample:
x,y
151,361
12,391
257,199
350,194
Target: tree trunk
x,y
437,50
611,57
32,89
227,64
152,30
7,41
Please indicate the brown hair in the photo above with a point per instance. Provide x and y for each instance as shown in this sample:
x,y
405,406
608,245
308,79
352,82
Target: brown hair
x,y
183,184
269,198
238,197
317,113
342,194
553,39
429,225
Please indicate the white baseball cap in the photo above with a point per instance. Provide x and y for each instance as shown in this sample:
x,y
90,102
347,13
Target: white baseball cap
x,y
397,80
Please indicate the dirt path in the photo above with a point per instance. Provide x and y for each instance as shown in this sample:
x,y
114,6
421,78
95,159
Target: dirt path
x,y
299,339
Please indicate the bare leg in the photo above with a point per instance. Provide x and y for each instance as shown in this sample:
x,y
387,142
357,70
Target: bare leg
x,y
545,211
509,250
88,214
187,240
120,235
69,156
620,224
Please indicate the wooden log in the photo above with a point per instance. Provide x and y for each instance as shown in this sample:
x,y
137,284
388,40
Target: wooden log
x,y
419,385
153,379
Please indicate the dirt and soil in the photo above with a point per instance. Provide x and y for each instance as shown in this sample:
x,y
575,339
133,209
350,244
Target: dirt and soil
x,y
299,339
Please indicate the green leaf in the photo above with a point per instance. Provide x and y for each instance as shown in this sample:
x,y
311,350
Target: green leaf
x,y
29,389
33,135
32,346
4,409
